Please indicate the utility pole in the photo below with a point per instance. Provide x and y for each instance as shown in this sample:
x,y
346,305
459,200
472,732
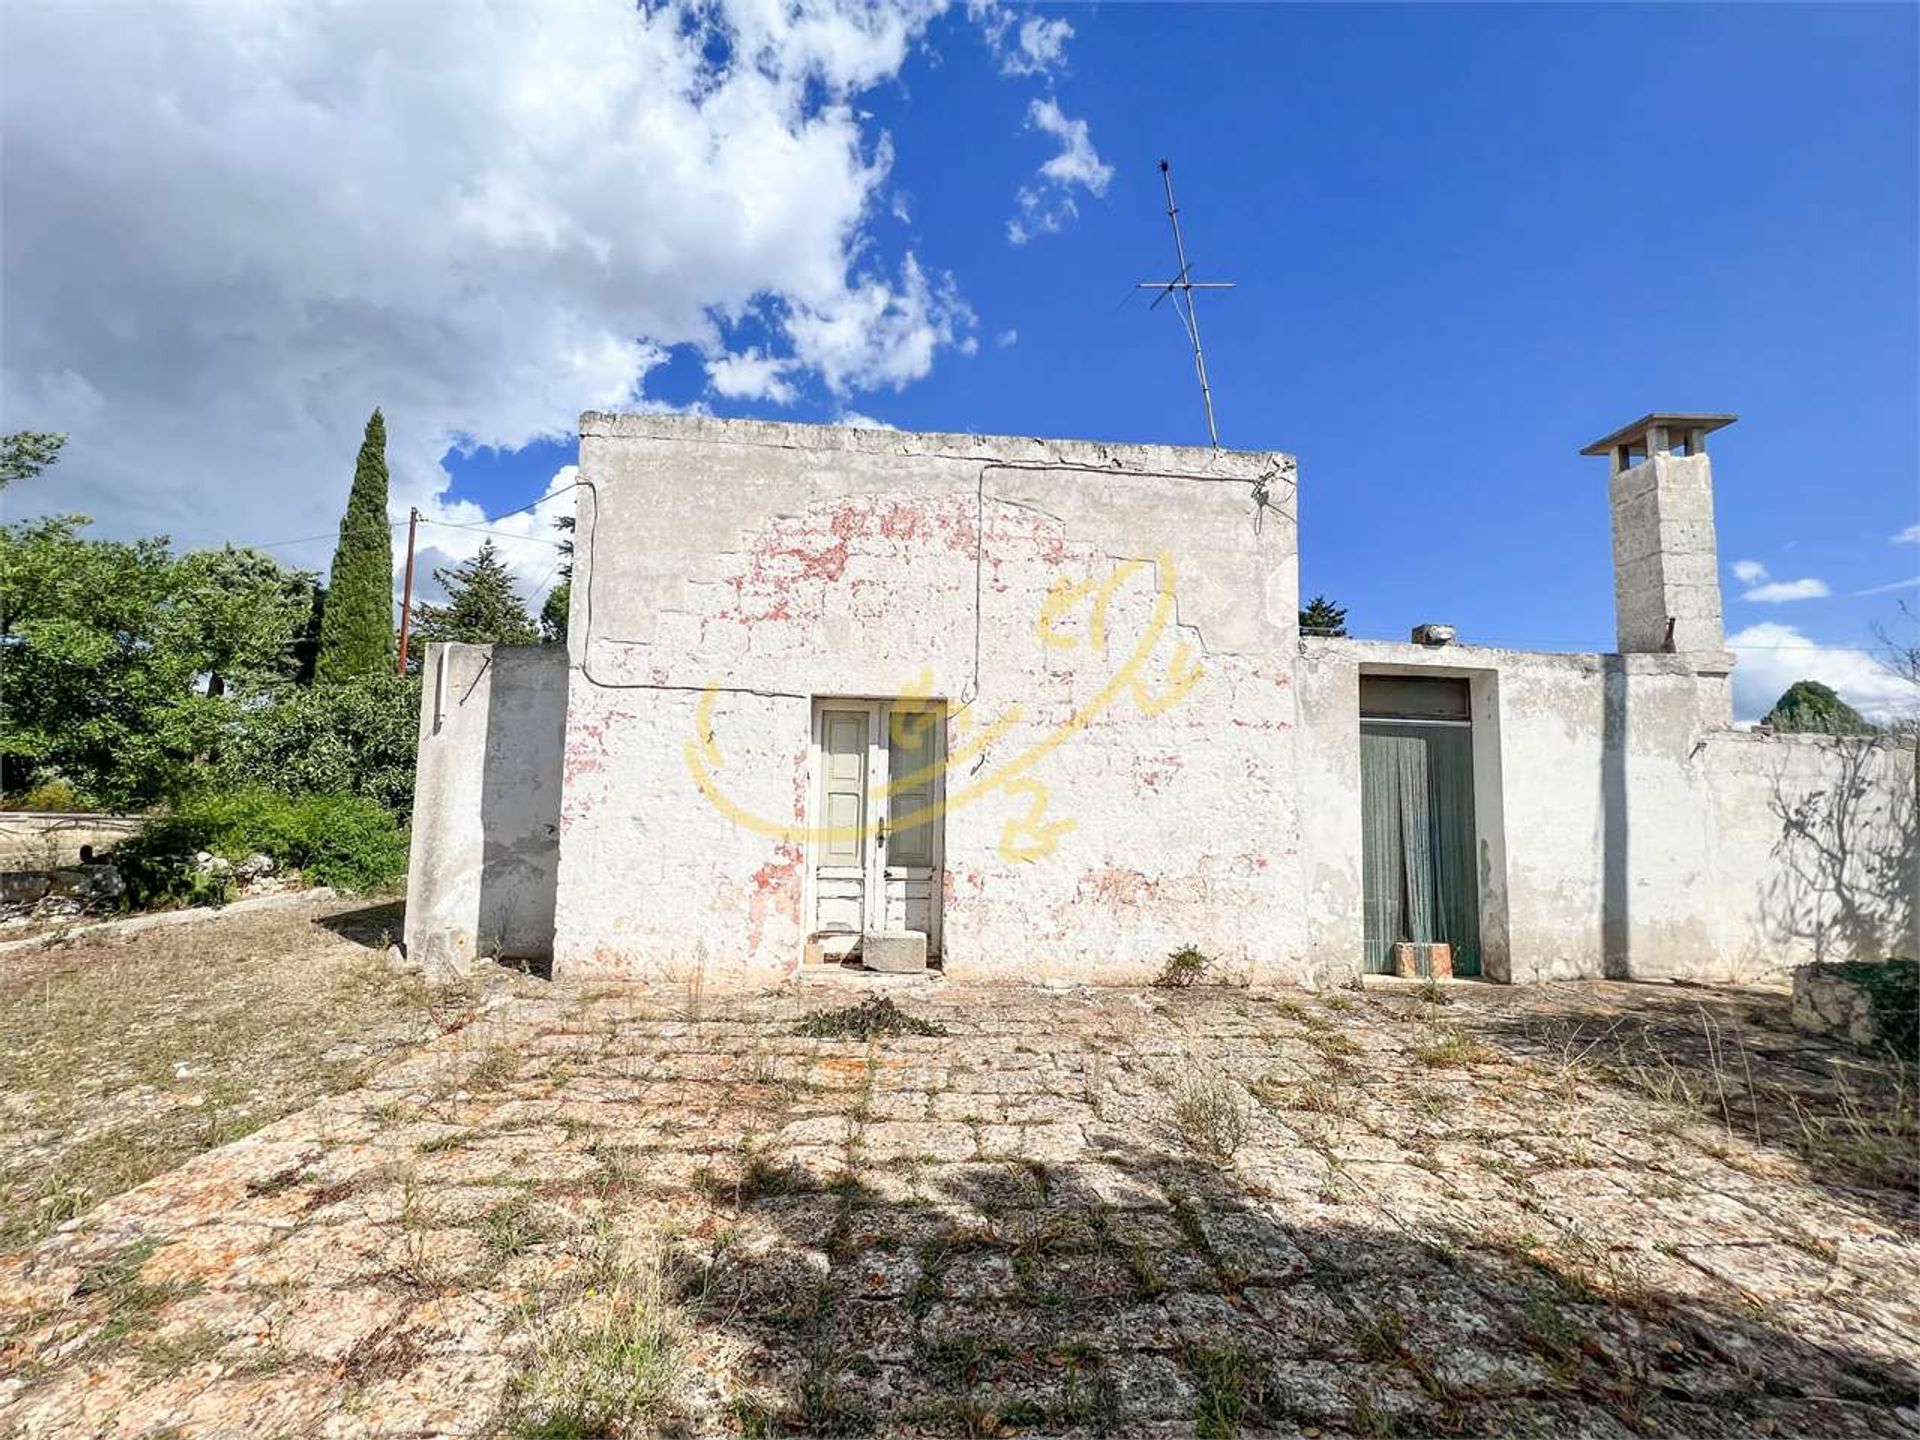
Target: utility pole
x,y
1181,287
406,594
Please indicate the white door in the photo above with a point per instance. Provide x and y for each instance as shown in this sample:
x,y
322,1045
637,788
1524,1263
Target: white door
x,y
877,832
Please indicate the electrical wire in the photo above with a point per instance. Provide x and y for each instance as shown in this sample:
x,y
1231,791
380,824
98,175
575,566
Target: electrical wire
x,y
970,692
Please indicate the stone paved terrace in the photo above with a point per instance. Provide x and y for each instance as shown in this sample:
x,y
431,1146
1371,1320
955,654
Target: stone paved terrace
x,y
1548,1211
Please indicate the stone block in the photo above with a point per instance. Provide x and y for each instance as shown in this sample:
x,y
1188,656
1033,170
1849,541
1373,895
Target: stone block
x,y
1440,960
894,952
1406,960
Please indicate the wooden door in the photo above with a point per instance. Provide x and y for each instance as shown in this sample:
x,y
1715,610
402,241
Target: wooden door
x,y
844,741
909,848
878,832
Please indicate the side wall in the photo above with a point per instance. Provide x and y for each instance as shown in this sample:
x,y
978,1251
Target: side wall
x,y
1112,627
482,874
1623,832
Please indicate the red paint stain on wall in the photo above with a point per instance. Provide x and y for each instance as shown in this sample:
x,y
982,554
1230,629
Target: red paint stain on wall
x,y
776,891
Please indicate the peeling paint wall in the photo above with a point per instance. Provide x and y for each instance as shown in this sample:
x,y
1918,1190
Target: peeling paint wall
x,y
1113,628
482,872
1623,830
1145,754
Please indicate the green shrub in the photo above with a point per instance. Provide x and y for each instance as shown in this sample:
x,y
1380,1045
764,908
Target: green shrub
x,y
353,738
48,796
346,841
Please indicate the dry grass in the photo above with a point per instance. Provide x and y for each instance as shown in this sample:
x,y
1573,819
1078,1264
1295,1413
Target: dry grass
x,y
1211,1115
120,1059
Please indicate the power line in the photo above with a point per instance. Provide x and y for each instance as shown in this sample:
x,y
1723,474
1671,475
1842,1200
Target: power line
x,y
483,530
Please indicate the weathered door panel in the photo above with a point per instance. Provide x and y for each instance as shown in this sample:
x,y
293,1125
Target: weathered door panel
x,y
878,829
910,852
840,856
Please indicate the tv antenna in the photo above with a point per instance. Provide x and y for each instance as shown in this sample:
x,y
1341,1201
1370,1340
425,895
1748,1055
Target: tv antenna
x,y
1181,288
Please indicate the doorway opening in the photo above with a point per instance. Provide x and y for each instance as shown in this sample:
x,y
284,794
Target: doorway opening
x,y
1418,846
877,823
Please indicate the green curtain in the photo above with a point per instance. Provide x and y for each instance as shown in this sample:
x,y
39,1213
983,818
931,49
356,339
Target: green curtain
x,y
1417,841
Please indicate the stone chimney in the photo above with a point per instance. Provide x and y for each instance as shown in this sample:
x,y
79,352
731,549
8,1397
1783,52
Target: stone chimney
x,y
1666,566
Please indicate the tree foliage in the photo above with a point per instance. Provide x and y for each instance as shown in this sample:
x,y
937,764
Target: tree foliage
x,y
241,614
1809,707
131,676
93,689
482,607
354,738
553,613
1322,617
25,453
356,628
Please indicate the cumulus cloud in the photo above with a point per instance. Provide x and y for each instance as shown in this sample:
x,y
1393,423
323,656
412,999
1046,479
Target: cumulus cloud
x,y
1772,656
1749,572
1908,536
751,375
1779,592
235,228
1047,203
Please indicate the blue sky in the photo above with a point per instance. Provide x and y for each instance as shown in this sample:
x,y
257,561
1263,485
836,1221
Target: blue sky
x,y
1468,240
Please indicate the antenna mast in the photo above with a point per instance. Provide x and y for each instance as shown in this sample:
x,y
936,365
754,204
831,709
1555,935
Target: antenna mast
x,y
1181,287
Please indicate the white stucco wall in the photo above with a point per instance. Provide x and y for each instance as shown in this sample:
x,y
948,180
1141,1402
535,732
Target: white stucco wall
x,y
1623,830
1110,811
482,873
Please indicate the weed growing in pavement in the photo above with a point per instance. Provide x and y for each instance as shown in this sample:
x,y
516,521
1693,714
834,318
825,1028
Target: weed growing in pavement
x,y
1210,1115
875,1017
1184,967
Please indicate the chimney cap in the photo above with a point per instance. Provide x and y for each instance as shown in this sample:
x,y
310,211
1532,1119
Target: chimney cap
x,y
1668,419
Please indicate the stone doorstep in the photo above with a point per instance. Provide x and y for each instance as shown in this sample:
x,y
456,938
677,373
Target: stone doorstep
x,y
848,977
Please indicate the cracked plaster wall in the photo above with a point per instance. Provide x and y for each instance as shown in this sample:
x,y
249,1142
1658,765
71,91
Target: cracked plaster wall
x,y
1114,813
1625,831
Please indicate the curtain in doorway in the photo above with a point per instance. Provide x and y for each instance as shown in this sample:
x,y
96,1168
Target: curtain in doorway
x,y
1417,841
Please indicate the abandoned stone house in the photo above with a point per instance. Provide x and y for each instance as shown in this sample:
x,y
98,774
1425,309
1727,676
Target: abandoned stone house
x,y
1044,707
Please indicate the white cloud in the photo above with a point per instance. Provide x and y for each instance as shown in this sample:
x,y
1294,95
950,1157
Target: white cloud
x,y
1039,45
528,541
1747,572
751,375
854,420
1006,338
1908,536
876,335
1077,163
1047,204
235,228
1772,656
1912,582
1779,592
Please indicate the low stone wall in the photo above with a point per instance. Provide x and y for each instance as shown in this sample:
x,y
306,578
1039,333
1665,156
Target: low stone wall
x,y
51,840
1863,1004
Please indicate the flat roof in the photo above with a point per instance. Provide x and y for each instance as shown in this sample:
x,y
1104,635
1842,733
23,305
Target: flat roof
x,y
1672,419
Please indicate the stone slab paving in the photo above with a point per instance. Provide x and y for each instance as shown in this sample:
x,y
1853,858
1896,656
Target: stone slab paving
x,y
1092,1212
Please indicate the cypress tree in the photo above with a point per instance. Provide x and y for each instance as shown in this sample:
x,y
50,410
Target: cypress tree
x,y
356,628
